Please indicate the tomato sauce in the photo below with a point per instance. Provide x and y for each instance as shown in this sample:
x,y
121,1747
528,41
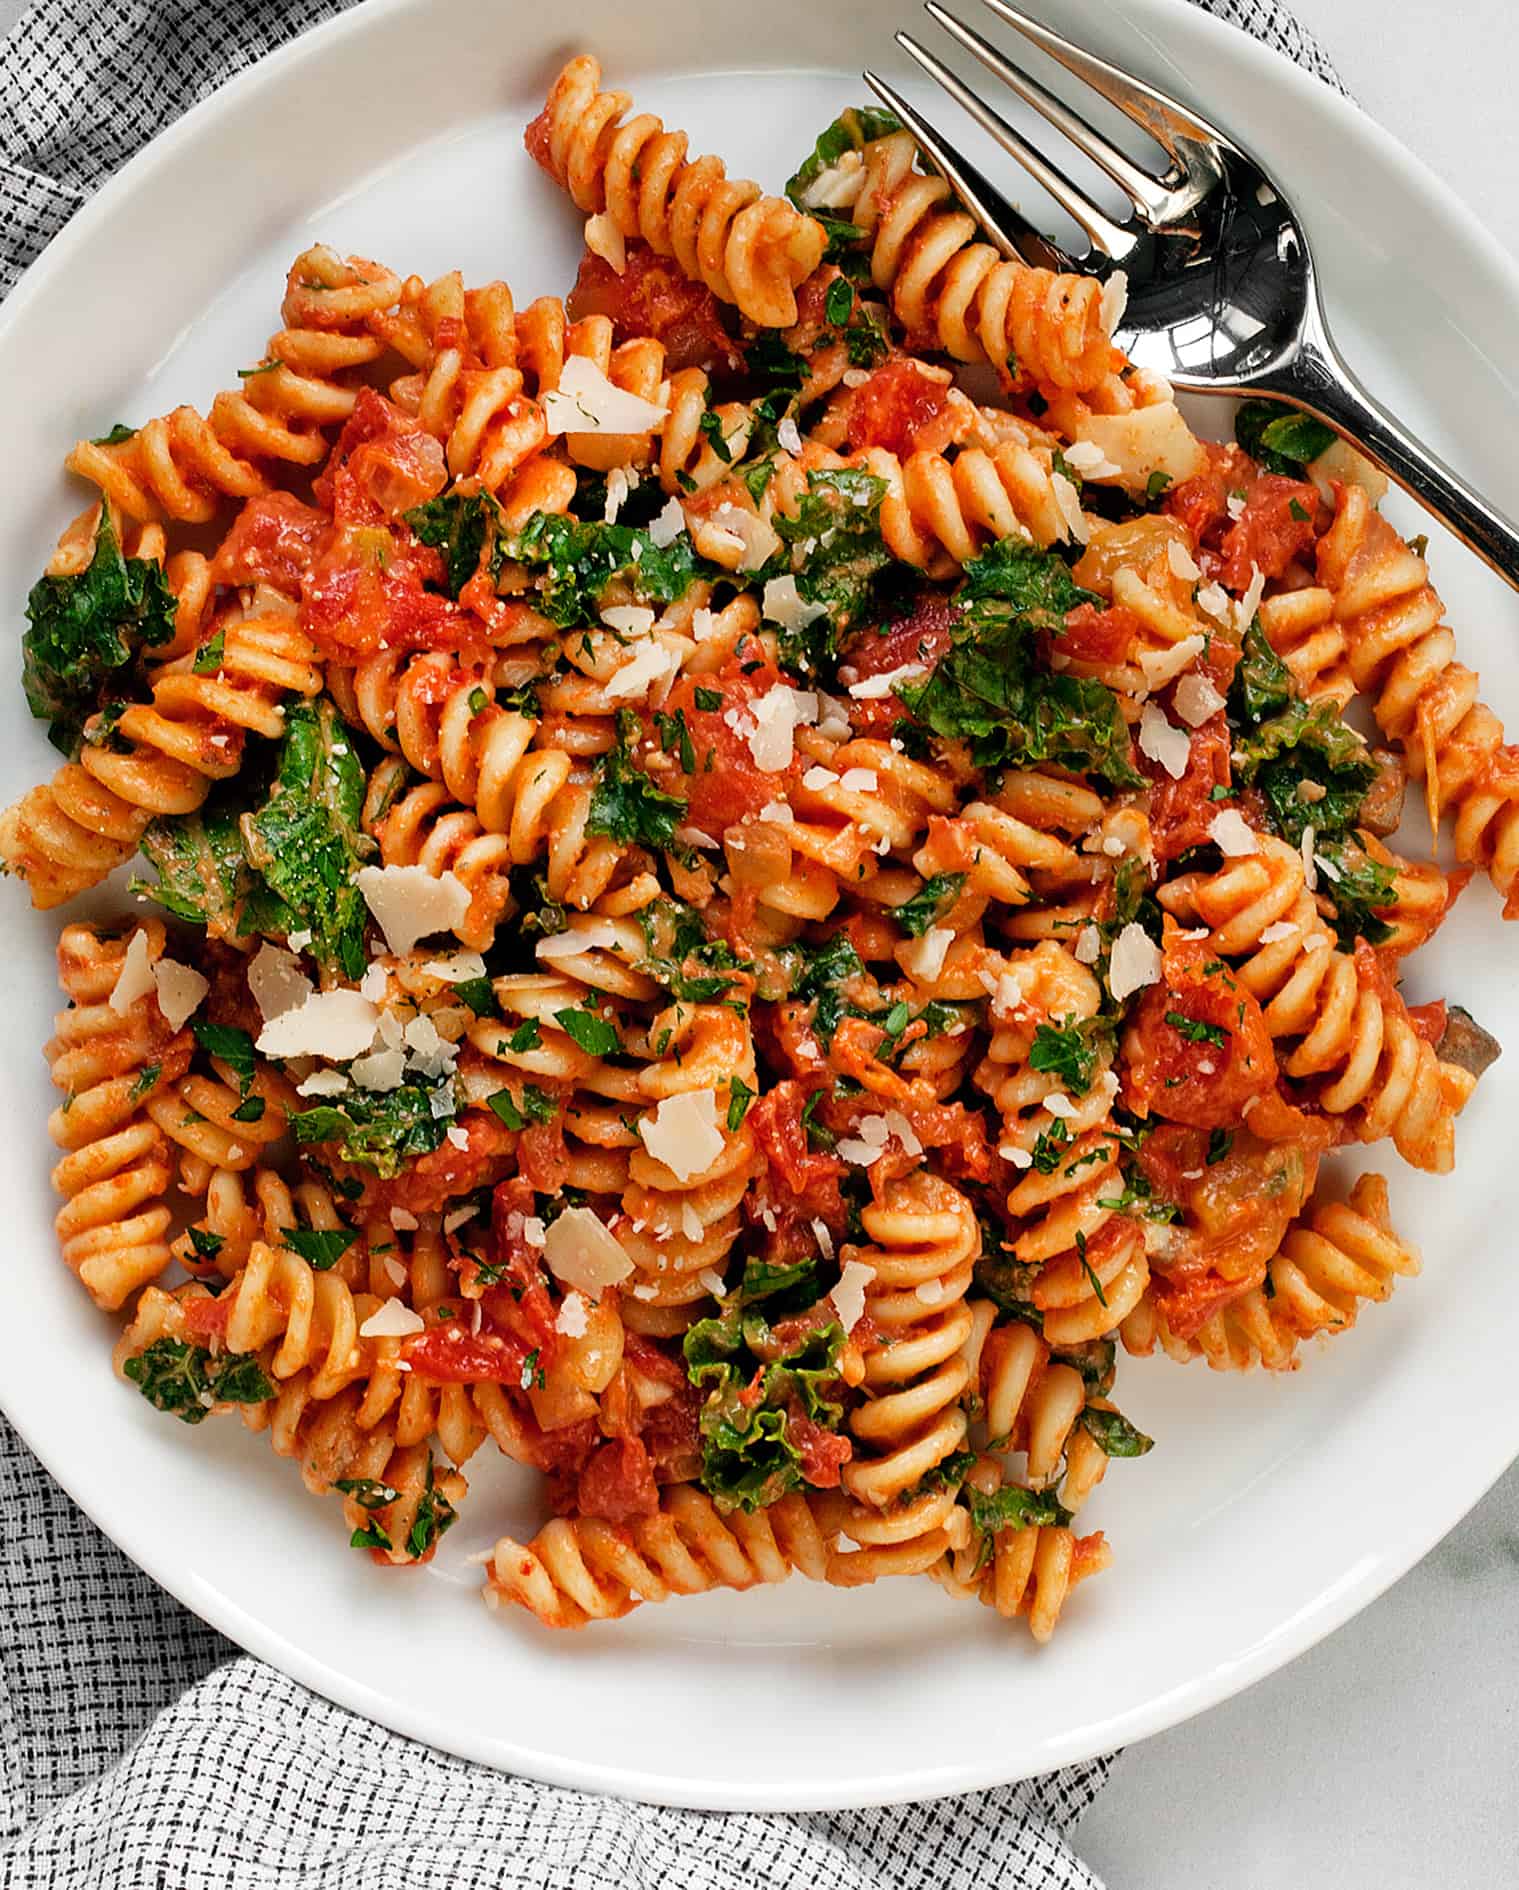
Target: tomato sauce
x,y
1097,634
652,296
726,784
1197,1045
432,1181
1281,518
922,636
893,407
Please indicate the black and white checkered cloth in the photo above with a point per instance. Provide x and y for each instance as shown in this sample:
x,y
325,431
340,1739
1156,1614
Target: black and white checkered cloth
x,y
138,1749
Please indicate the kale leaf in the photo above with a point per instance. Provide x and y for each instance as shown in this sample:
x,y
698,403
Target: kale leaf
x,y
1307,743
577,560
1279,438
852,130
1262,685
1013,1507
757,1389
835,550
186,1380
381,1131
1071,1051
1356,885
988,689
86,635
305,840
933,897
626,804
460,525
1117,1436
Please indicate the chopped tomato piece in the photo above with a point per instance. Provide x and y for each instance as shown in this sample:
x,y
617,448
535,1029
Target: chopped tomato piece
x,y
653,296
726,783
1197,1047
433,1180
617,1484
896,404
919,638
1098,635
206,1319
823,1453
272,541
450,1353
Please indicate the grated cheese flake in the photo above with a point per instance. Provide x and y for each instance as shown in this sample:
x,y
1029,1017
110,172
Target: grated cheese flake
x,y
180,990
860,781
409,903
572,1320
651,665
1165,744
392,1321
1088,945
667,525
1196,700
924,957
876,688
589,935
628,620
1181,561
1134,964
1310,876
381,1071
323,1083
585,401
135,979
1115,299
604,239
1232,834
278,983
1069,502
1277,931
849,1295
580,1251
683,1133
782,603
334,1025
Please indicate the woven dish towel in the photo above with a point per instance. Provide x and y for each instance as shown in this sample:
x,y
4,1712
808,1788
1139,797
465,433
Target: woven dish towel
x,y
138,1749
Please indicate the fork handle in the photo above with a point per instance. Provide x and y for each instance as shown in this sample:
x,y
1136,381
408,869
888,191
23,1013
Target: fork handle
x,y
1318,380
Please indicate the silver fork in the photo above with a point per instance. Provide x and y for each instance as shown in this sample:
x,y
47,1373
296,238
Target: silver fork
x,y
1223,295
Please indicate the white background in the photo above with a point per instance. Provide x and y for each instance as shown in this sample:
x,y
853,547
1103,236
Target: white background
x,y
1388,1755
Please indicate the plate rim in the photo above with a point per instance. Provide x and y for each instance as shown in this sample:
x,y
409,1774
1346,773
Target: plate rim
x,y
1286,1642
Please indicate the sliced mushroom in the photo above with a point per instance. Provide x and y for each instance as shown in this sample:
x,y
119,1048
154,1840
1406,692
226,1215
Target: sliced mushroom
x,y
1382,809
1466,1044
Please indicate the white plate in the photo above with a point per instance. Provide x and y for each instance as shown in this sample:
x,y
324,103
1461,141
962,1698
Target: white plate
x,y
1271,1509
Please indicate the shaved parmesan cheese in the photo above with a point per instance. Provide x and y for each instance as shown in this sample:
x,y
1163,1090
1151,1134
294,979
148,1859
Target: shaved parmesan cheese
x,y
1232,834
323,1083
1277,931
1087,458
849,1295
683,1133
930,1291
779,812
409,903
381,1072
135,979
604,239
585,401
667,525
629,620
572,1321
580,1251
1328,868
1250,603
462,968
180,990
334,1025
860,781
1316,942
1213,601
394,1270
1059,1104
1181,561
714,1282
375,982
875,688
1309,875
836,186
1088,945
858,1152
833,720
1019,1157
392,1321
652,664
1007,993
874,1130
783,604
298,941
1134,964
453,1222
1115,299
1196,700
589,935
458,1137
819,778
618,486
534,1231
1160,666
752,537
775,719
787,436
1165,745
694,837
690,1222
903,1130
924,957
823,1238
1067,498
703,624
432,1055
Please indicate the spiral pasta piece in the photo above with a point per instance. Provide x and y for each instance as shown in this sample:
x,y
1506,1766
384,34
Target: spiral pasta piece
x,y
1335,1256
945,285
923,1234
939,512
69,833
1029,1572
579,1570
1350,1029
749,249
116,1172
1033,1405
1403,656
181,466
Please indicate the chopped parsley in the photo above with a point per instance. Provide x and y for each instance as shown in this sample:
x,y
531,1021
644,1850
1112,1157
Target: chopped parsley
x,y
626,805
1279,438
1071,1051
320,1247
382,1132
186,1380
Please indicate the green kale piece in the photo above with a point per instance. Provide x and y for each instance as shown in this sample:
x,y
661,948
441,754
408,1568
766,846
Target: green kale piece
x,y
1279,438
835,551
626,805
305,839
461,525
758,1388
1012,1507
989,690
86,635
933,898
852,130
1357,886
380,1131
1117,1436
1071,1051
577,559
1307,743
186,1380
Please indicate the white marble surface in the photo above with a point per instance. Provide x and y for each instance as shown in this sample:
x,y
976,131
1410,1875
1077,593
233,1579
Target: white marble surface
x,y
1388,1755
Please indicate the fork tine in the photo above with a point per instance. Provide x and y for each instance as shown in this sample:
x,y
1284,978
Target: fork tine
x,y
1147,194
1111,238
1002,223
1168,123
